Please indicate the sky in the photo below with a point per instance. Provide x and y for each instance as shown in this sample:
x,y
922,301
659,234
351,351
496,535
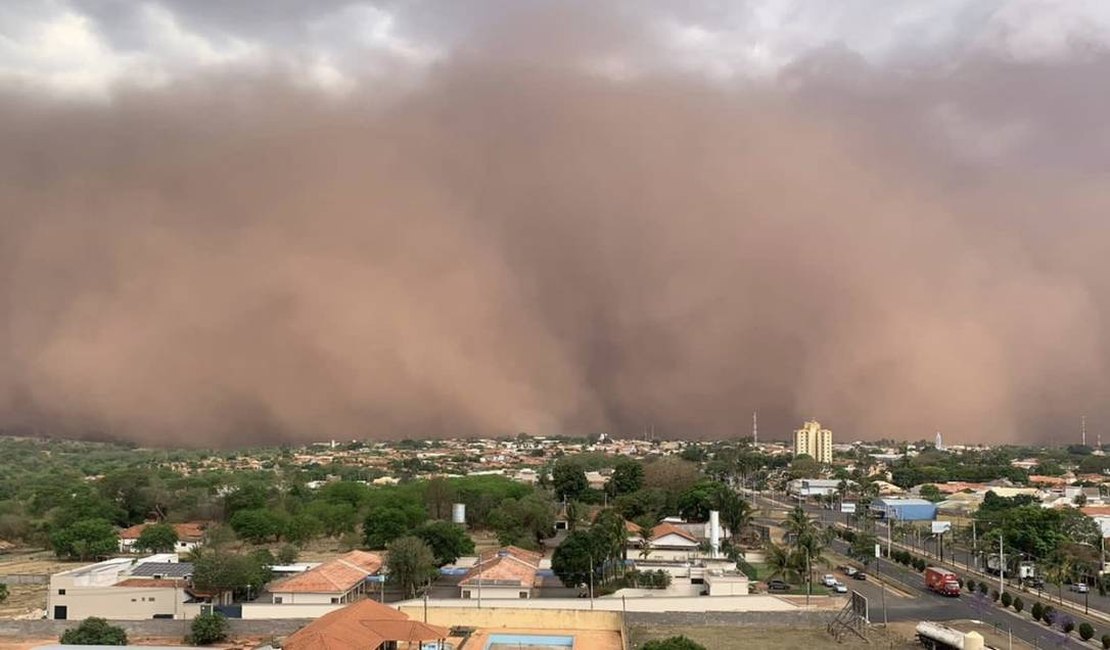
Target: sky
x,y
269,221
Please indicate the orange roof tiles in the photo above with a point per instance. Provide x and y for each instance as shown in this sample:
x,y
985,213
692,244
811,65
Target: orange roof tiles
x,y
511,564
336,576
667,528
361,626
192,531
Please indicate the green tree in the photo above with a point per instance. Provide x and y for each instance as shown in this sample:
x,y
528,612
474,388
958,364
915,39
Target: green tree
x,y
1019,604
569,478
784,562
303,528
736,512
94,631
287,554
931,492
157,538
208,628
862,548
695,503
258,526
673,643
85,539
411,563
448,541
222,572
1086,631
335,518
3,592
628,477
575,558
383,525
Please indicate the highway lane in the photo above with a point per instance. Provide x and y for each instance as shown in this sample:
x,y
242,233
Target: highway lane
x,y
925,605
960,558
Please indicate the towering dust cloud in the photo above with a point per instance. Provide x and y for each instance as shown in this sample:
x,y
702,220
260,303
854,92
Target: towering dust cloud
x,y
514,243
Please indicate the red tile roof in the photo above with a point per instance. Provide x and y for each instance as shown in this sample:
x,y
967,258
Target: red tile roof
x,y
192,531
667,528
511,564
336,576
362,626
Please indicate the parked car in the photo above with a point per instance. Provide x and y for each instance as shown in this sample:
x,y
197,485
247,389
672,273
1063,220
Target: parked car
x,y
777,585
859,575
1080,587
850,571
1034,583
840,588
829,580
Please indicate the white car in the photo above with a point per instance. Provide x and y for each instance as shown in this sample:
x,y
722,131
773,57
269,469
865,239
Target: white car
x,y
829,580
1080,587
839,587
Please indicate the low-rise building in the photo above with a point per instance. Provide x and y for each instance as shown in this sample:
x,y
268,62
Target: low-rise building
x,y
189,536
121,588
813,487
726,583
903,509
337,582
509,572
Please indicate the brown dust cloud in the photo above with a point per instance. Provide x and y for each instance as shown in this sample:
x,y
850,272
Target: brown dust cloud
x,y
514,243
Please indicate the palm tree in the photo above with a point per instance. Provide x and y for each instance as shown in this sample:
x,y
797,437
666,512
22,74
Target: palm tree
x,y
735,511
783,562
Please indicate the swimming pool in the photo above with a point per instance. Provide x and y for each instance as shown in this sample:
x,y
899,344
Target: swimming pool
x,y
528,642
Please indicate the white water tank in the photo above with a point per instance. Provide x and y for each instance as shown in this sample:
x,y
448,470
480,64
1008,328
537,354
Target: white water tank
x,y
458,514
715,532
948,636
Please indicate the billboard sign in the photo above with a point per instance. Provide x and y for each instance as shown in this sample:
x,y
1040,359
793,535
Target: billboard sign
x,y
941,527
848,508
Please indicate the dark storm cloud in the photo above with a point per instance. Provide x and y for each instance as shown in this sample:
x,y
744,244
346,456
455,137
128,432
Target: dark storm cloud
x,y
522,242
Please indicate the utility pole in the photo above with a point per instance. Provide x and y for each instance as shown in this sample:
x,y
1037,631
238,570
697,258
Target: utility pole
x,y
974,545
1001,566
591,581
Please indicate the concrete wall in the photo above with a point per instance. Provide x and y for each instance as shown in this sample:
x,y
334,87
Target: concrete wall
x,y
24,579
493,592
292,598
738,619
41,628
508,617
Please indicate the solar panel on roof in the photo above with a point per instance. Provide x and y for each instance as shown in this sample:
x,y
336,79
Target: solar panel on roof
x,y
165,569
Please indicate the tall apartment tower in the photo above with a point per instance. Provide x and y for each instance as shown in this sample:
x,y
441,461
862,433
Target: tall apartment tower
x,y
814,441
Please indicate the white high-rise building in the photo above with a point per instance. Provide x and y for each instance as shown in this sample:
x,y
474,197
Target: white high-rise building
x,y
813,441
940,442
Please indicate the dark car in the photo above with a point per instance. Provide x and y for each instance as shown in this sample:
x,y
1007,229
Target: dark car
x,y
777,585
859,575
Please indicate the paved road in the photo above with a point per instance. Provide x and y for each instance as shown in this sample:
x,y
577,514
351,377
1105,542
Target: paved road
x,y
960,557
925,605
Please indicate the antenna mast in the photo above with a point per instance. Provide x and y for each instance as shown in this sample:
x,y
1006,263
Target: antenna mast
x,y
1083,428
755,427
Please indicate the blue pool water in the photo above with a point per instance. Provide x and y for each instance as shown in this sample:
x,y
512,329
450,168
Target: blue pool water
x,y
529,641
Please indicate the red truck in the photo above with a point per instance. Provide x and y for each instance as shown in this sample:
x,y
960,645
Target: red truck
x,y
942,581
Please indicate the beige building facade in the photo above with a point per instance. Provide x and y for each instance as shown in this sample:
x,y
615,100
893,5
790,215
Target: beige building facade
x,y
814,441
